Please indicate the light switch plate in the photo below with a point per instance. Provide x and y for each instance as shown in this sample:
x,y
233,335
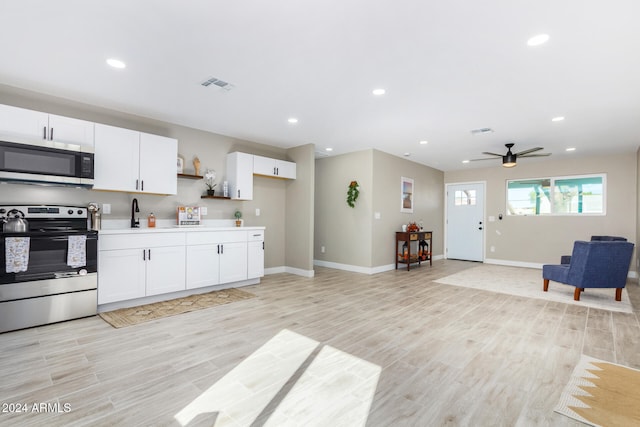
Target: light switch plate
x,y
203,210
106,208
257,211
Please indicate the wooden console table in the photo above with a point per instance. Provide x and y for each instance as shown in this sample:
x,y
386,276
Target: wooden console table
x,y
413,236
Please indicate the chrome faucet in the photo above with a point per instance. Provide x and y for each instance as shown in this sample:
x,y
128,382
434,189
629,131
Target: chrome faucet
x,y
134,208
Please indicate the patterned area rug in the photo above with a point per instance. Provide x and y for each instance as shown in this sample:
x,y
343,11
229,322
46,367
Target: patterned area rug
x,y
144,313
527,282
601,393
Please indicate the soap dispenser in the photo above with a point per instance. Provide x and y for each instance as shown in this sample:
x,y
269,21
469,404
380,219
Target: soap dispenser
x,y
151,221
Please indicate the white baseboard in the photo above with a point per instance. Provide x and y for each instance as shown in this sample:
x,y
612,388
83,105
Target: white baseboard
x,y
360,269
513,263
291,270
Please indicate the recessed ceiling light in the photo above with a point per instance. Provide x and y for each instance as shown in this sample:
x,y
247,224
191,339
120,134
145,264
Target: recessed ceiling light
x,y
465,161
557,119
424,142
292,120
116,63
328,149
378,92
571,149
538,40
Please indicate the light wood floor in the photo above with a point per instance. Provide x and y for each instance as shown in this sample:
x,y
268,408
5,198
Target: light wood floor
x,y
449,355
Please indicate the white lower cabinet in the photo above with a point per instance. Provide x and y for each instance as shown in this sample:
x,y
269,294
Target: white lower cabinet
x,y
255,254
216,257
121,275
140,264
165,269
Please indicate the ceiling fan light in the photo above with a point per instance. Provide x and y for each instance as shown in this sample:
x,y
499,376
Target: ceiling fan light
x,y
509,160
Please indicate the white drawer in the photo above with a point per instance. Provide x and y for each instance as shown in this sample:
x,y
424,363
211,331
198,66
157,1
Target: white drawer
x,y
209,237
254,235
140,240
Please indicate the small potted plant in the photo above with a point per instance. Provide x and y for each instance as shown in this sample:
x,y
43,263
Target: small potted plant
x,y
209,181
238,215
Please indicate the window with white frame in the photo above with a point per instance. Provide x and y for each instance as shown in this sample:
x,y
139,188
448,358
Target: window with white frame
x,y
573,195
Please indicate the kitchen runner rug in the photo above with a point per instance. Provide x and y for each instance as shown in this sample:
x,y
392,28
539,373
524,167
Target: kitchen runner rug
x,y
527,282
601,393
144,313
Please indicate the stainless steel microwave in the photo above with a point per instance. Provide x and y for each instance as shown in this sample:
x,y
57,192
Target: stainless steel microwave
x,y
46,162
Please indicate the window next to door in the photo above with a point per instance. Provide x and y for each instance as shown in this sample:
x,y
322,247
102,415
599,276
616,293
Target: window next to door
x,y
579,195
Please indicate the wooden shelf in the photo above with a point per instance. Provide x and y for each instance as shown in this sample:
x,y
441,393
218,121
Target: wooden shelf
x,y
188,176
215,197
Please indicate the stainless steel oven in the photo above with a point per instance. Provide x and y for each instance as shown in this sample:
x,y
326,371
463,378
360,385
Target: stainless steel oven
x,y
49,272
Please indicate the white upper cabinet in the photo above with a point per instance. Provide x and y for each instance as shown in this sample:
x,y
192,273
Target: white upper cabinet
x,y
242,166
274,168
32,126
132,161
71,131
240,175
158,156
117,159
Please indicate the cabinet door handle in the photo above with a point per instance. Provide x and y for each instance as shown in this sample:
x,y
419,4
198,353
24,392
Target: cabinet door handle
x,y
137,181
144,255
44,132
277,171
222,249
149,254
218,249
238,194
142,185
51,134
263,246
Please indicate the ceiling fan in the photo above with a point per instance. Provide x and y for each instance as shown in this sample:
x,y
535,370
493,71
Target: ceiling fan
x,y
509,159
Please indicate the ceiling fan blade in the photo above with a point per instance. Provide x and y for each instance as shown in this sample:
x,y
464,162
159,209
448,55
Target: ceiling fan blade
x,y
530,150
492,154
486,158
535,155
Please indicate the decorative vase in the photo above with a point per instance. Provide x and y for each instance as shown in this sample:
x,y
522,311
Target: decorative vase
x,y
210,192
238,222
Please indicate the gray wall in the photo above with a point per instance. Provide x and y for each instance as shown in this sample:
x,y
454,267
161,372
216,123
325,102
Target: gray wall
x,y
270,195
543,239
299,212
345,232
428,203
352,236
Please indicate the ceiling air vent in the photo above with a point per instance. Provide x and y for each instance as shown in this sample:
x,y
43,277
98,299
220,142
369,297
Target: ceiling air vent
x,y
217,82
481,131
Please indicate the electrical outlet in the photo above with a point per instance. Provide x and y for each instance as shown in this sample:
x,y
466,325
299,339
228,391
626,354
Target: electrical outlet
x,y
106,208
322,249
203,210
257,211
492,249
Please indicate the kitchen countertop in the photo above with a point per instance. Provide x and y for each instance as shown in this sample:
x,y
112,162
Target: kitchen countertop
x,y
169,226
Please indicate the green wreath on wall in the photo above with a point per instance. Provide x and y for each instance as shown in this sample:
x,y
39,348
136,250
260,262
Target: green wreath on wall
x,y
352,193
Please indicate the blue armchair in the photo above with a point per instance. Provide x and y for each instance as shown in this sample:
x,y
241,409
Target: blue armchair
x,y
566,259
595,264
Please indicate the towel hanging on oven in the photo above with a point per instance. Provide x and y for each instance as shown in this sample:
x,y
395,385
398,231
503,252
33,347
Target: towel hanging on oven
x,y
16,254
77,251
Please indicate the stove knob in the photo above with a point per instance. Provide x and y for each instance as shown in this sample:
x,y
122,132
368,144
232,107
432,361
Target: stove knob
x,y
79,211
2,210
70,211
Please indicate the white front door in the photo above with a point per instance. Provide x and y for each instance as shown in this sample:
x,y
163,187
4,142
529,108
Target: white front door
x,y
465,221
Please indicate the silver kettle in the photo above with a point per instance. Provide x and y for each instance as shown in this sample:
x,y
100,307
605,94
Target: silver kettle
x,y
15,222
